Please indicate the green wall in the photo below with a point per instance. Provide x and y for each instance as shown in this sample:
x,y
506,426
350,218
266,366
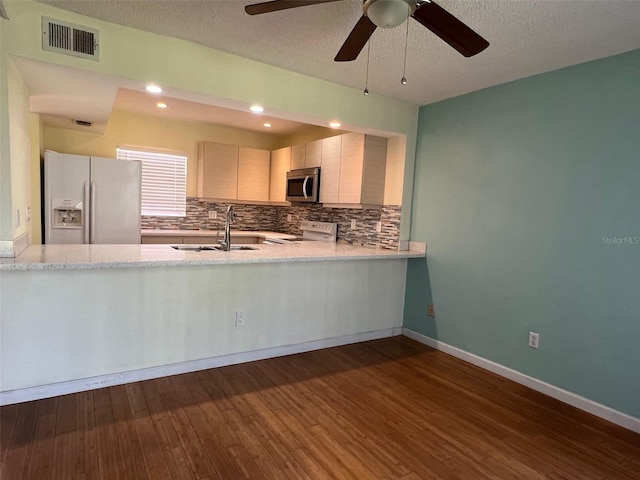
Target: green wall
x,y
520,191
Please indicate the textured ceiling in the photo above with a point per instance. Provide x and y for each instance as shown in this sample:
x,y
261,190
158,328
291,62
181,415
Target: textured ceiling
x,y
527,37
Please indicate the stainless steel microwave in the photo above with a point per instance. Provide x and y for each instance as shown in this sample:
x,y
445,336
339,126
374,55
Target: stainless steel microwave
x,y
303,185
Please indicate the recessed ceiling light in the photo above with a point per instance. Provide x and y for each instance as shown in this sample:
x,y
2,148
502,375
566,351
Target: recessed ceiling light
x,y
161,105
267,125
153,88
256,109
335,124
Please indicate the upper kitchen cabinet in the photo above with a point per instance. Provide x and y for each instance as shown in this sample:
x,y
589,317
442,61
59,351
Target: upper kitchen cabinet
x,y
330,172
308,155
229,172
297,156
353,172
313,154
280,165
217,170
254,167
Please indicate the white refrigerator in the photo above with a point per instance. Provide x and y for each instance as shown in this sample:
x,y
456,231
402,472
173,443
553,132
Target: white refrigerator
x,y
91,199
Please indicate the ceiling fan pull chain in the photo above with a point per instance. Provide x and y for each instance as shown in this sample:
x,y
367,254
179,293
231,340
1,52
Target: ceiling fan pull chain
x,y
366,81
406,42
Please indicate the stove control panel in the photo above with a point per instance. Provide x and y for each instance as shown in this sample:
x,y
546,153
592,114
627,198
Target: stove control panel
x,y
325,231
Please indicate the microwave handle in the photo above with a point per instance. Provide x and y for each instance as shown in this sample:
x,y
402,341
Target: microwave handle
x,y
304,187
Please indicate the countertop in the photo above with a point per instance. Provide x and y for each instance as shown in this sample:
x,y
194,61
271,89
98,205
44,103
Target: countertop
x,y
49,257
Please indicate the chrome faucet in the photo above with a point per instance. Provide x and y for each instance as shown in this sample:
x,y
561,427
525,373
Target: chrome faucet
x,y
230,217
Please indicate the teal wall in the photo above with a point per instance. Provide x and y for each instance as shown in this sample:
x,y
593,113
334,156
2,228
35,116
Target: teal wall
x,y
519,191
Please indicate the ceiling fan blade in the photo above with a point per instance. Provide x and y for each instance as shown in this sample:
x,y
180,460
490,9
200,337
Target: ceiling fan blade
x,y
356,40
450,29
276,5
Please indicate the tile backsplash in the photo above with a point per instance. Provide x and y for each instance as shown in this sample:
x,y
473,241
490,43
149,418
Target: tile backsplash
x,y
274,218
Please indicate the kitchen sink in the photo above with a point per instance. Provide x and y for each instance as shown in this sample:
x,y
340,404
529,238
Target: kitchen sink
x,y
199,248
194,248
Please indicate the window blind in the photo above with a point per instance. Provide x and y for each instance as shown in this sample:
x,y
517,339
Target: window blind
x,y
164,181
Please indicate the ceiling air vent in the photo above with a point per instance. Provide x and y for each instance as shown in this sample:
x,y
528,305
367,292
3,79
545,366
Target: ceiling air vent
x,y
70,39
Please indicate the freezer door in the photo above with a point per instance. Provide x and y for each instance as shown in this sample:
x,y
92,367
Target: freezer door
x,y
115,201
65,199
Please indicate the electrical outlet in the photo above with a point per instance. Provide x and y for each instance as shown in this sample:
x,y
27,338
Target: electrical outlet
x,y
289,217
431,310
27,215
213,214
353,224
378,227
241,321
534,340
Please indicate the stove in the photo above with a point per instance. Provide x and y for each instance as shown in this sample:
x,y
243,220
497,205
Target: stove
x,y
319,231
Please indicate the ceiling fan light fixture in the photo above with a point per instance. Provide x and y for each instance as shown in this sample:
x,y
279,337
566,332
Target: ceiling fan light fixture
x,y
388,13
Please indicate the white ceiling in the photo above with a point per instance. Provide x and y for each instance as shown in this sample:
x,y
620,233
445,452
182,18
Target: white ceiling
x,y
527,37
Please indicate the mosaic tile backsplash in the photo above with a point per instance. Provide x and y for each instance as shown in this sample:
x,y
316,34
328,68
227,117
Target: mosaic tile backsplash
x,y
274,218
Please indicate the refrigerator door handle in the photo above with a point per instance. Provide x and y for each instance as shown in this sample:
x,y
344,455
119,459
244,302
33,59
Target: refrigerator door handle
x,y
85,224
92,212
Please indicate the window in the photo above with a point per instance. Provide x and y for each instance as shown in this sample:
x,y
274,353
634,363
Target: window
x,y
164,181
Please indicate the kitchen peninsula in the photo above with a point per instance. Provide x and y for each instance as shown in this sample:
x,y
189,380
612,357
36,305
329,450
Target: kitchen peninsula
x,y
100,315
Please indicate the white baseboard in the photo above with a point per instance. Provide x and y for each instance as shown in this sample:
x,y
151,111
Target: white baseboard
x,y
73,386
582,403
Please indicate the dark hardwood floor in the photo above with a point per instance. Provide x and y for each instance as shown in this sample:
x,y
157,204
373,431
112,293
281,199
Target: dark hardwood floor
x,y
386,409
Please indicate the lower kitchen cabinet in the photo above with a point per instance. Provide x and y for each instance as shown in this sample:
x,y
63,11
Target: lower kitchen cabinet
x,y
241,239
152,240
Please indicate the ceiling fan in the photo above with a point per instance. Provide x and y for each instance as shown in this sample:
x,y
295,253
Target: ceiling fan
x,y
389,14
